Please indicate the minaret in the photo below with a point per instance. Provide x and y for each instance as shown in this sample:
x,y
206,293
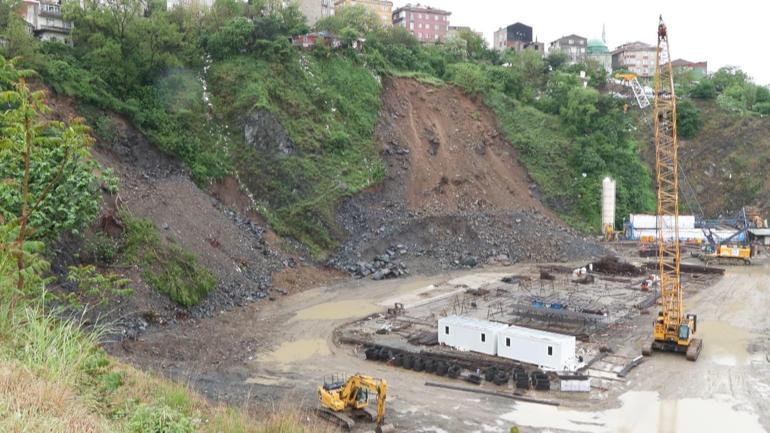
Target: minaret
x,y
604,35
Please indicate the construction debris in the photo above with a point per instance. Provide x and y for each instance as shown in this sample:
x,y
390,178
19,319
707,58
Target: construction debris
x,y
612,265
383,266
630,366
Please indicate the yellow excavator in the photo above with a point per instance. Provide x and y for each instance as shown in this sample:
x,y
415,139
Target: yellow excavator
x,y
673,331
338,397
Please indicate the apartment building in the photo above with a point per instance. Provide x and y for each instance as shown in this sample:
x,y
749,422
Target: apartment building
x,y
427,24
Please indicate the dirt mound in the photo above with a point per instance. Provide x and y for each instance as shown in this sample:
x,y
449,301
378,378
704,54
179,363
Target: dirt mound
x,y
455,194
447,154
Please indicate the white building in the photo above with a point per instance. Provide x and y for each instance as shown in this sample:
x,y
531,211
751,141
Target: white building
x,y
547,350
643,226
466,333
190,4
45,20
315,10
573,46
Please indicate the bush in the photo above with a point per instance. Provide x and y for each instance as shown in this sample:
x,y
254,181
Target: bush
x,y
159,419
762,108
469,77
704,90
101,249
687,119
167,268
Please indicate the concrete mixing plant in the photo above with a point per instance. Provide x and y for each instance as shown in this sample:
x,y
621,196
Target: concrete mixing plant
x,y
608,208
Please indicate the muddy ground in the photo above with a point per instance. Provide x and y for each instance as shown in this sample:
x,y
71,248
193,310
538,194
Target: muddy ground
x,y
276,351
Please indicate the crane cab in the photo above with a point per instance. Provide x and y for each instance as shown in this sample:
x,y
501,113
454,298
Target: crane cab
x,y
679,338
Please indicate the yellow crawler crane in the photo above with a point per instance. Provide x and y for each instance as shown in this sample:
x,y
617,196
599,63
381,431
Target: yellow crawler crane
x,y
352,395
673,331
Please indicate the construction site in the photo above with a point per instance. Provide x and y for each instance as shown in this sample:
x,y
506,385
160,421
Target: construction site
x,y
655,325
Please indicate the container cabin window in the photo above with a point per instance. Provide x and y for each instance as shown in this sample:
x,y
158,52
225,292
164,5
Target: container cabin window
x,y
550,350
446,330
507,341
483,337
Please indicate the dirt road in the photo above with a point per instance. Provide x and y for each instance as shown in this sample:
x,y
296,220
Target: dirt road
x,y
281,350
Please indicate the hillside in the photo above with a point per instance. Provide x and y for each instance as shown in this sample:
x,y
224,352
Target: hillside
x,y
726,161
454,192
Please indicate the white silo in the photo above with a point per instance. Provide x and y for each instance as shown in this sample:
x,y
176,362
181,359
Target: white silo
x,y
608,205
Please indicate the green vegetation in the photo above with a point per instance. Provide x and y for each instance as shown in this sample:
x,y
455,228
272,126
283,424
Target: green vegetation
x,y
688,121
147,65
733,91
48,176
166,267
328,106
53,376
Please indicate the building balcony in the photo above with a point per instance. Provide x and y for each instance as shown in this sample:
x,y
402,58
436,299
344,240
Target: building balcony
x,y
50,10
59,28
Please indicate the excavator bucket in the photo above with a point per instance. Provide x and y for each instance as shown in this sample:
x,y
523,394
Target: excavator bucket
x,y
385,428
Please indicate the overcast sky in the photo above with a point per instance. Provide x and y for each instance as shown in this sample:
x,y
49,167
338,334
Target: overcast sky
x,y
734,33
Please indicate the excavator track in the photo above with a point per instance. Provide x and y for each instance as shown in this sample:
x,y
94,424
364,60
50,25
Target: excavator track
x,y
693,350
338,418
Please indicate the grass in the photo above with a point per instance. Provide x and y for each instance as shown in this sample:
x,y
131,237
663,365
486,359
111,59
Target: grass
x,y
420,76
166,267
55,379
543,149
329,108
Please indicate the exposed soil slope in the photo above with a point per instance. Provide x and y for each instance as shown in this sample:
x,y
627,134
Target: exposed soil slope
x,y
454,194
233,245
457,160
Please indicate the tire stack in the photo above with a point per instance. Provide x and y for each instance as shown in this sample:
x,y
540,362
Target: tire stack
x,y
520,378
501,378
540,381
490,373
413,361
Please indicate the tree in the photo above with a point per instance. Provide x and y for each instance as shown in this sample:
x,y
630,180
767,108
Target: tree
x,y
475,45
357,17
18,41
580,109
36,168
687,119
705,89
232,38
556,59
556,91
530,66
728,76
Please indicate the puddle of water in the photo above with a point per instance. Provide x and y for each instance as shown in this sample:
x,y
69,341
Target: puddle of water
x,y
723,343
641,412
297,350
337,310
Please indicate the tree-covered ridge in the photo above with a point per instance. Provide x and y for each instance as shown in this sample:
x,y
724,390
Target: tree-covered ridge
x,y
148,63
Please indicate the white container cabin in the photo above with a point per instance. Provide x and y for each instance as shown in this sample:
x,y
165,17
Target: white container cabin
x,y
466,333
547,350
